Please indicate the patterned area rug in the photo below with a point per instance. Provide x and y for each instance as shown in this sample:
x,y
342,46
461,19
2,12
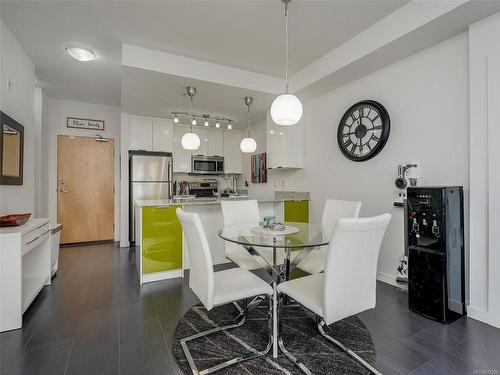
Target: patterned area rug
x,y
300,336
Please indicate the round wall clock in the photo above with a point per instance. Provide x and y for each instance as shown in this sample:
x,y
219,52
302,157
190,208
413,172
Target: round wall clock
x,y
363,130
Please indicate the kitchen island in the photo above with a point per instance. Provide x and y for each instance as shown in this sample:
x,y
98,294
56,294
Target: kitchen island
x,y
160,247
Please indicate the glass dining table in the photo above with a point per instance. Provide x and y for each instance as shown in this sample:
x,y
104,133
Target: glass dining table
x,y
278,252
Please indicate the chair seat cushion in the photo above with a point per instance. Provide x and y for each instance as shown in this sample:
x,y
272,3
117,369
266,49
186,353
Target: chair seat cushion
x,y
314,262
236,284
242,258
238,255
308,291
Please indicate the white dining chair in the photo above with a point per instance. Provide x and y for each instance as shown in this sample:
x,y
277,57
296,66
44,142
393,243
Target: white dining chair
x,y
348,285
241,214
218,288
314,262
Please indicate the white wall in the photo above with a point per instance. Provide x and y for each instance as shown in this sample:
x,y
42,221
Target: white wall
x,y
484,49
18,103
58,111
42,153
426,96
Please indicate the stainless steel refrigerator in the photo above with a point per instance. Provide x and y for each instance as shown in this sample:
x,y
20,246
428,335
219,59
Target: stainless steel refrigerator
x,y
150,175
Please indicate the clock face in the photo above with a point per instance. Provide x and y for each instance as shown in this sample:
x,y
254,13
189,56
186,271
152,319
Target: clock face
x,y
363,130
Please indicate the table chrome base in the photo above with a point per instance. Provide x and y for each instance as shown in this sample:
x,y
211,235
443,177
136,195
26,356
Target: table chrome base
x,y
246,357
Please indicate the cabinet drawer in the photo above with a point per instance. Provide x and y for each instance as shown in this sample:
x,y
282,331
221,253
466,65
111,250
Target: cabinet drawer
x,y
35,237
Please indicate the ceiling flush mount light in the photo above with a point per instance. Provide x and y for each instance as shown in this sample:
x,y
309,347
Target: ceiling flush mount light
x,y
286,108
80,53
190,141
248,144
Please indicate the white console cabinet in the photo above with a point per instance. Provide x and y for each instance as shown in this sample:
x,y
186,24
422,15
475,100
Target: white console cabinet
x,y
25,268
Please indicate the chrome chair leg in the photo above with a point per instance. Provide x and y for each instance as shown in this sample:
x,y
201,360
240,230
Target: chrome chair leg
x,y
254,303
231,362
289,355
322,324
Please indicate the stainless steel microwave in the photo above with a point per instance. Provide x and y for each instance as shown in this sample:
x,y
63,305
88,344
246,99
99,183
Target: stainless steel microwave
x,y
213,165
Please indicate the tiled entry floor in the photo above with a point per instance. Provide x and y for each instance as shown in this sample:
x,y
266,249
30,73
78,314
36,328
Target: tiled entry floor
x,y
95,319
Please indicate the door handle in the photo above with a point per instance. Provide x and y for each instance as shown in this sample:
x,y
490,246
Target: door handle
x,y
61,188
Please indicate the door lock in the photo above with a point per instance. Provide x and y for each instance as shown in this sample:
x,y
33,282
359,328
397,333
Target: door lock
x,y
61,188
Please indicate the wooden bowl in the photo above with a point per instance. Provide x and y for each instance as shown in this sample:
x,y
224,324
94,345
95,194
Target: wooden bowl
x,y
14,220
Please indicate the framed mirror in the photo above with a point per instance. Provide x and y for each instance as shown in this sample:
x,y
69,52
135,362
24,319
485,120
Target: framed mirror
x,y
11,151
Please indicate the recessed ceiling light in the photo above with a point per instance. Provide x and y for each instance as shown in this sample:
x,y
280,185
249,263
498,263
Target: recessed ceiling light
x,y
81,54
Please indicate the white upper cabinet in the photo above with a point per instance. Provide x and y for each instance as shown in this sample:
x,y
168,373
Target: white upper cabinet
x,y
181,157
203,134
151,134
141,133
215,142
163,134
233,157
285,144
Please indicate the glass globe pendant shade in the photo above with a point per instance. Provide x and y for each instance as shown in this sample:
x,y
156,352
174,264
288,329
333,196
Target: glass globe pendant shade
x,y
190,141
286,110
248,145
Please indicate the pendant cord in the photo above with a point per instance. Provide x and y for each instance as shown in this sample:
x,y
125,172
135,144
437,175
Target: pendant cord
x,y
248,121
286,47
191,110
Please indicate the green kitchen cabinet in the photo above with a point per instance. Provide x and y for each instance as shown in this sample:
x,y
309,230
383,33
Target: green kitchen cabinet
x,y
297,211
161,239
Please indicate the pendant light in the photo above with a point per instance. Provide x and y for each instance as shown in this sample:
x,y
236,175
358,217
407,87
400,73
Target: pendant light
x,y
190,141
248,144
286,108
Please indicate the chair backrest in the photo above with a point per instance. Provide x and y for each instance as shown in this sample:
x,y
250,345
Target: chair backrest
x,y
334,210
237,214
201,273
351,267
244,212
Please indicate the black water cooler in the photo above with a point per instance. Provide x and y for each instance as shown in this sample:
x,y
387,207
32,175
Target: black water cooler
x,y
436,252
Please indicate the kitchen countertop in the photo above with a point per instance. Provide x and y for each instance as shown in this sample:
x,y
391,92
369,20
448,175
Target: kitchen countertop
x,y
201,201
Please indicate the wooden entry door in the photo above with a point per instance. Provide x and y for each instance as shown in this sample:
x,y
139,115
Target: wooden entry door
x,y
85,189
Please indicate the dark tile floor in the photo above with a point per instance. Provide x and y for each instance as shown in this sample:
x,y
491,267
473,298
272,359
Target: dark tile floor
x,y
95,319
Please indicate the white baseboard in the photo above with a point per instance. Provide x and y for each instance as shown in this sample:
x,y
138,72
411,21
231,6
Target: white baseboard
x,y
482,315
164,275
386,278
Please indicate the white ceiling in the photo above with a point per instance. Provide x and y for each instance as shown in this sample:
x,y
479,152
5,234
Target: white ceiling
x,y
157,94
243,34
